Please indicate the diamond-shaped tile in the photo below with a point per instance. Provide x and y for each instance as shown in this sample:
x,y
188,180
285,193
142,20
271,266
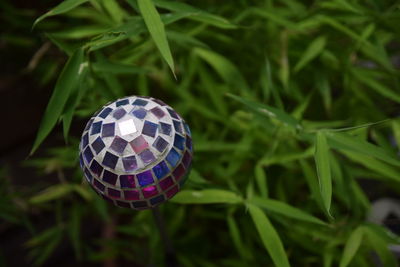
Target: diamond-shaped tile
x,y
139,144
149,129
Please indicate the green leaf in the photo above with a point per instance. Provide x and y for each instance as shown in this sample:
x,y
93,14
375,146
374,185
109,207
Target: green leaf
x,y
312,51
352,245
63,7
235,235
261,180
197,14
207,196
66,82
381,246
269,237
116,68
51,193
156,28
268,111
321,156
282,208
345,141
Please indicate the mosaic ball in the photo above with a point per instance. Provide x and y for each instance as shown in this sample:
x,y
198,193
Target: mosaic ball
x,y
136,152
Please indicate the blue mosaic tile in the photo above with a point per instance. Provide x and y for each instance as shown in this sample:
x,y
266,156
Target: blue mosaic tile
x,y
149,128
105,112
108,130
88,155
98,185
139,102
96,168
165,128
160,144
161,170
110,160
139,113
119,113
187,129
98,145
189,143
173,113
158,101
81,163
179,142
89,124
88,175
139,204
96,127
109,177
173,157
122,102
147,156
85,140
145,178
127,181
157,200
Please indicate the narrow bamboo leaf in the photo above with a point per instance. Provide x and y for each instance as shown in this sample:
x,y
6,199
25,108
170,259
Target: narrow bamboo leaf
x,y
83,192
225,68
74,230
67,81
312,51
115,11
345,141
261,180
381,246
284,209
63,7
51,193
116,68
268,111
197,14
322,156
269,237
156,28
74,99
351,247
235,235
207,196
366,79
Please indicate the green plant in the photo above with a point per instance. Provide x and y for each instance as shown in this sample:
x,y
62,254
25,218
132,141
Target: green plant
x,y
291,105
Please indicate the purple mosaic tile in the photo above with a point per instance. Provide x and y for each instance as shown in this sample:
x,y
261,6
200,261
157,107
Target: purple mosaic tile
x,y
161,170
96,127
186,160
123,204
106,198
139,102
179,142
189,143
119,113
98,145
147,156
179,172
131,194
88,155
122,102
166,183
173,113
149,191
81,163
88,175
158,101
105,112
139,204
139,144
187,129
157,200
96,168
160,144
113,193
170,193
127,181
109,177
149,128
108,130
139,113
178,126
145,178
118,145
129,163
110,160
157,112
165,128
98,185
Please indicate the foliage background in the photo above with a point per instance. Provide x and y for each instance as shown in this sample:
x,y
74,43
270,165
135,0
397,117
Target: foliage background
x,y
282,98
